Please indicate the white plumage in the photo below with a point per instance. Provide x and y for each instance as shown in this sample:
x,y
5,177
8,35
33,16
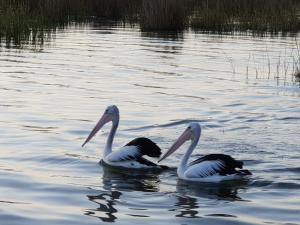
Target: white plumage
x,y
204,169
124,153
131,155
209,168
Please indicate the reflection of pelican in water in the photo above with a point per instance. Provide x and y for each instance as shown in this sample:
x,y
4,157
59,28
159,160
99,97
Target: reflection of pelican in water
x,y
226,190
130,180
192,194
114,183
187,207
106,209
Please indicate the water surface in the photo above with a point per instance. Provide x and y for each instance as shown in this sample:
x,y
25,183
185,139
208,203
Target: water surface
x,y
51,98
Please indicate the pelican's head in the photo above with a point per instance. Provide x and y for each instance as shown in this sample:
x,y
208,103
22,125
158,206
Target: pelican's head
x,y
192,132
111,113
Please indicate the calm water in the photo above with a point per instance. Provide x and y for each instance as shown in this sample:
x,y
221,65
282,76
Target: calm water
x,y
51,98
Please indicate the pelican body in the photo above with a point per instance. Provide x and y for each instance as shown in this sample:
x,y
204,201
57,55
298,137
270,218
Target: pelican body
x,y
211,168
129,156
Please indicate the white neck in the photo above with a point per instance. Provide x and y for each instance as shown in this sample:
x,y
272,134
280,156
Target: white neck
x,y
184,161
110,138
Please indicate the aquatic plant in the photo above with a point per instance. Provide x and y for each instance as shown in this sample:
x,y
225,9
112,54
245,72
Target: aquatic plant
x,y
20,25
284,68
165,14
33,21
257,16
297,75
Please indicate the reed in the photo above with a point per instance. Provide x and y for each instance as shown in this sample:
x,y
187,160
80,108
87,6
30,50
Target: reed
x,y
297,75
284,67
296,64
20,25
31,21
165,14
257,16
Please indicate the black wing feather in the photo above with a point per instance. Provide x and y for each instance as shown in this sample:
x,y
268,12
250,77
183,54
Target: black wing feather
x,y
146,147
141,146
229,163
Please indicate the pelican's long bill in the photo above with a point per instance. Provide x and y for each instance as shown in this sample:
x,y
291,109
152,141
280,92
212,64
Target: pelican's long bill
x,y
104,119
186,135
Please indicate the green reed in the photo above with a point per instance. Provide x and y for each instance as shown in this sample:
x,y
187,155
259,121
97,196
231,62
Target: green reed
x,y
257,16
296,64
33,21
20,25
165,14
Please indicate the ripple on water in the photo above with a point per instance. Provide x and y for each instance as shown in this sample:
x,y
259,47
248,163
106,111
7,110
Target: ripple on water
x,y
52,99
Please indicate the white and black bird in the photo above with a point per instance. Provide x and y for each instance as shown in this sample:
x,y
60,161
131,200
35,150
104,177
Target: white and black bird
x,y
211,168
131,155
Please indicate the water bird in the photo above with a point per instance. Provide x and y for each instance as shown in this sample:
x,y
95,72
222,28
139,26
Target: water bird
x,y
209,168
130,156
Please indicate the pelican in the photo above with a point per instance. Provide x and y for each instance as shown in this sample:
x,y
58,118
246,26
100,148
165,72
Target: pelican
x,y
129,156
211,168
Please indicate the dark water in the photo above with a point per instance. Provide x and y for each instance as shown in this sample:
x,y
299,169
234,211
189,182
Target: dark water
x,y
50,99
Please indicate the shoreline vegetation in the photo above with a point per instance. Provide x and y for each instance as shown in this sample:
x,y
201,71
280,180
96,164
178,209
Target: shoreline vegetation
x,y
34,21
